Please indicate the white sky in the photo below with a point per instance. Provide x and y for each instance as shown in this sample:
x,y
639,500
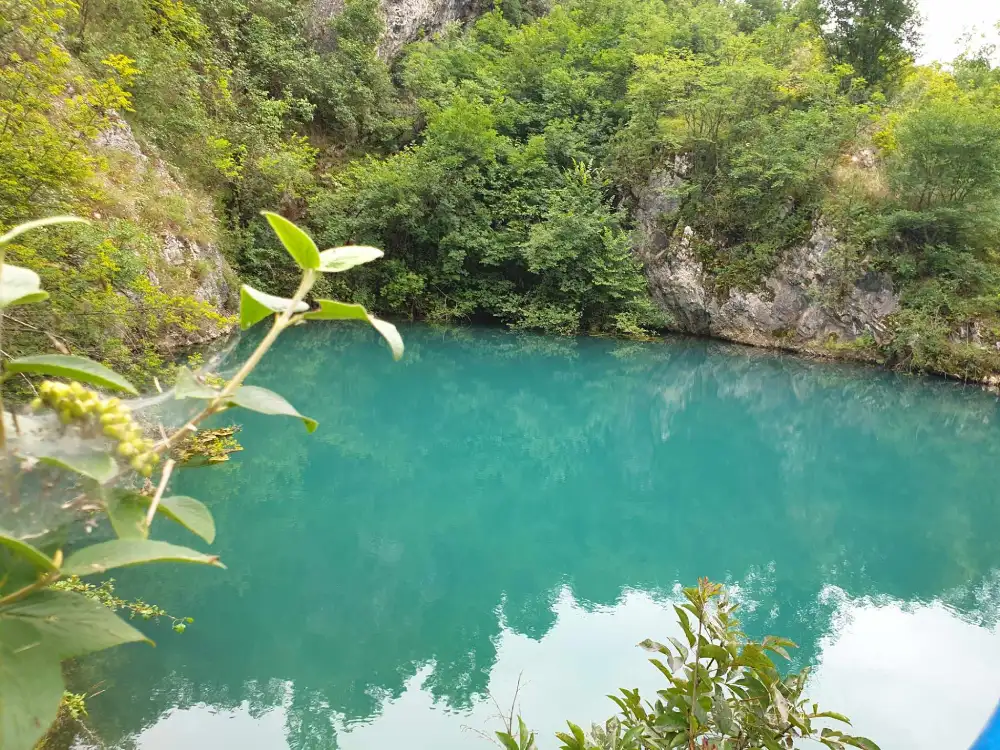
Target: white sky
x,y
946,20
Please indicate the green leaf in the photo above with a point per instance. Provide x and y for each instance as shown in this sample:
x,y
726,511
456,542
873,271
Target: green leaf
x,y
191,514
526,739
36,634
775,640
22,549
343,258
662,667
507,741
96,465
76,368
672,721
187,386
654,646
128,514
390,334
862,742
268,402
19,286
685,624
298,244
31,687
778,645
67,624
723,715
333,310
36,224
128,510
713,651
830,715
753,656
118,553
256,305
753,686
681,649
780,703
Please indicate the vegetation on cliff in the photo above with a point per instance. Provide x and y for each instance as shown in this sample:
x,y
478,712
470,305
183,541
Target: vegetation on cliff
x,y
500,165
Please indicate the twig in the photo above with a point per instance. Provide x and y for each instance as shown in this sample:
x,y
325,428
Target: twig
x,y
221,401
692,719
510,718
30,384
168,469
41,583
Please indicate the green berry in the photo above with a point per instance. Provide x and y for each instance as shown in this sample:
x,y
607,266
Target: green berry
x,y
37,404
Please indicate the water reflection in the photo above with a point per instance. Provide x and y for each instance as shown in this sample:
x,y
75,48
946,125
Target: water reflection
x,y
882,663
501,503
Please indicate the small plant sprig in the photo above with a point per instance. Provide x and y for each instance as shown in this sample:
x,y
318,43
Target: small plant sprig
x,y
39,585
104,593
724,692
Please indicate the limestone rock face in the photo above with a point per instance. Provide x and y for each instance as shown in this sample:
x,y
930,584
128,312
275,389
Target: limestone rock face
x,y
798,307
405,19
180,264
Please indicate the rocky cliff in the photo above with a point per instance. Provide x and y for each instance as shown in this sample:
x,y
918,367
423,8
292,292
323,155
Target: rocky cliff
x,y
801,306
184,259
406,20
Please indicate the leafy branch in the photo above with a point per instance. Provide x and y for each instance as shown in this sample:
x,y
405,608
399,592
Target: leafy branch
x,y
745,704
47,614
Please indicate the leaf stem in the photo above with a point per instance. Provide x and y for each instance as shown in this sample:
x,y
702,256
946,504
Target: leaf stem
x,y
218,403
41,583
692,719
168,469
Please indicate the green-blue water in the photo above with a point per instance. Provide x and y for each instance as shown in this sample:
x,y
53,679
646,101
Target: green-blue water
x,y
499,507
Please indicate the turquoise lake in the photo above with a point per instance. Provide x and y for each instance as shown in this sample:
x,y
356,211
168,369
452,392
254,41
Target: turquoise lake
x,y
500,508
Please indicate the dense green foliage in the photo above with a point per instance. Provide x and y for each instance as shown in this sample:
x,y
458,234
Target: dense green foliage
x,y
501,164
51,110
875,37
529,127
931,216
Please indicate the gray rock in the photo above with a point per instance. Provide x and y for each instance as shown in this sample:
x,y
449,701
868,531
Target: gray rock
x,y
203,272
404,19
797,307
118,136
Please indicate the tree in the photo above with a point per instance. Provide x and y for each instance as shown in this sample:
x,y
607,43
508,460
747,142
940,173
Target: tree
x,y
875,37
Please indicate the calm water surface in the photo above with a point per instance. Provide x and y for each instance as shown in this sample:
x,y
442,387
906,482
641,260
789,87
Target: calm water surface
x,y
500,508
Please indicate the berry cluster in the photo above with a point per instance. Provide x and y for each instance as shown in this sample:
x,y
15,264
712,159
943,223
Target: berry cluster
x,y
75,403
